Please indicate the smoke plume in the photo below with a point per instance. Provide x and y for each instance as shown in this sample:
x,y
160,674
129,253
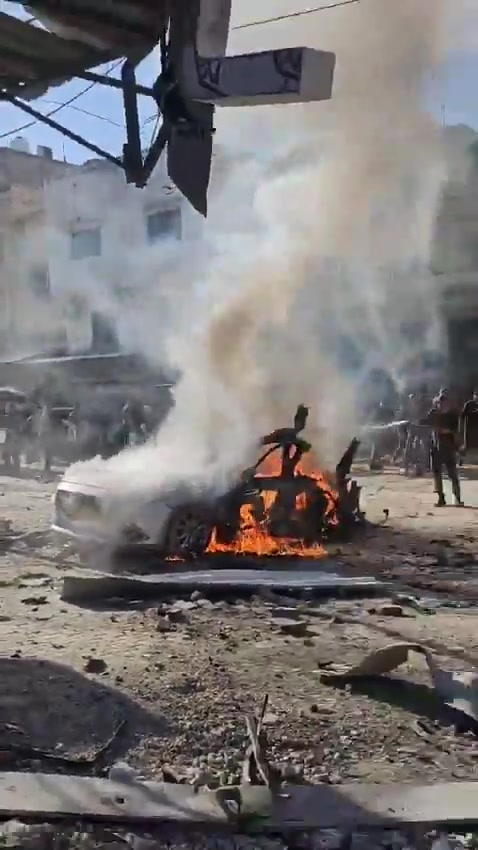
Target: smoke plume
x,y
321,231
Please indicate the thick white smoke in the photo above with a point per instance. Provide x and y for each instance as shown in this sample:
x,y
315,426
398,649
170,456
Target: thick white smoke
x,y
326,210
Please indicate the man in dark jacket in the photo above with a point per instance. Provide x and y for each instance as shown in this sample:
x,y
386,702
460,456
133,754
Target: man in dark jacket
x,y
444,420
469,423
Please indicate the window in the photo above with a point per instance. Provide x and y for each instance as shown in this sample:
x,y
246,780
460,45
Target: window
x,y
165,224
86,243
105,338
40,282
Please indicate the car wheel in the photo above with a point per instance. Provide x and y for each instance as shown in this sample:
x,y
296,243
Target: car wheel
x,y
189,532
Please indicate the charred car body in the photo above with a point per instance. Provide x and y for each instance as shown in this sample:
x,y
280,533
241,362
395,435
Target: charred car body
x,y
302,508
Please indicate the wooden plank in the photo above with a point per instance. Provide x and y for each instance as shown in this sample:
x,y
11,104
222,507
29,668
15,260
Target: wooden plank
x,y
53,797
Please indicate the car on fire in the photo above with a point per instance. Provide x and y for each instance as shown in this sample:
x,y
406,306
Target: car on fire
x,y
180,524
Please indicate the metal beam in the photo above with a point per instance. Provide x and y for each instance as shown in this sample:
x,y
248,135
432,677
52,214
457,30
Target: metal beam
x,y
61,129
103,80
132,155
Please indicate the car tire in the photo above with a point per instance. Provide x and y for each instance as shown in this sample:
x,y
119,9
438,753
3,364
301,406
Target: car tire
x,y
189,532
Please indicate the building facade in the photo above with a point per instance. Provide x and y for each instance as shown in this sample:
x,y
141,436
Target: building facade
x,y
25,314
111,248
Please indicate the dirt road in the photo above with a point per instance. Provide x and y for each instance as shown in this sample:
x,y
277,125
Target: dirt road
x,y
170,684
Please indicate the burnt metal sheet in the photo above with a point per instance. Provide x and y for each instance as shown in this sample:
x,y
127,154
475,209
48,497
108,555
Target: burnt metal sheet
x,y
33,58
49,797
98,585
122,25
190,159
54,796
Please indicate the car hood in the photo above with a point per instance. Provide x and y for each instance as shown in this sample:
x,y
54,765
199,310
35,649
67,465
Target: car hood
x,y
97,478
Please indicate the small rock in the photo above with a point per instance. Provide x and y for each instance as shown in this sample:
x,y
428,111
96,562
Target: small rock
x,y
292,772
334,779
182,605
195,595
176,617
266,595
286,611
35,600
169,774
442,558
164,625
296,628
389,609
270,719
201,778
206,604
95,665
121,771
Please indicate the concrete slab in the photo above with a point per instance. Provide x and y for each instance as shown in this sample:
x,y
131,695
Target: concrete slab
x,y
96,586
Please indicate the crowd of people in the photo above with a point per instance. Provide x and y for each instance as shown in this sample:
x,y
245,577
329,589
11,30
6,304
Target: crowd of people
x,y
37,427
427,433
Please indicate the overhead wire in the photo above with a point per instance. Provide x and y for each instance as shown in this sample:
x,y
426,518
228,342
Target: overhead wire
x,y
85,112
286,16
61,106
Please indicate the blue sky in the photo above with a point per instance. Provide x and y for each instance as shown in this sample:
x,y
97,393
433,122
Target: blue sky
x,y
454,89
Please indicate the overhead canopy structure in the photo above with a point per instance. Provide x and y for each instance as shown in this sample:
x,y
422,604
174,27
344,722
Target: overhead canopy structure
x,y
68,39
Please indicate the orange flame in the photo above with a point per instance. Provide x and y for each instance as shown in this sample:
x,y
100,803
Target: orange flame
x,y
253,537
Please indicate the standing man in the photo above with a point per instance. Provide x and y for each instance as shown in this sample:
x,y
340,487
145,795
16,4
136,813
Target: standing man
x,y
444,421
469,423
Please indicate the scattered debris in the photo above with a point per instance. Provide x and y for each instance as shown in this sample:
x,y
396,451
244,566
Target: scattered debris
x,y
121,771
288,626
423,606
458,690
35,600
388,609
164,624
255,768
95,665
13,750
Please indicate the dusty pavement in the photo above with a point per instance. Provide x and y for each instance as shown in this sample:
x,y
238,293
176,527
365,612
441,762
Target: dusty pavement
x,y
169,685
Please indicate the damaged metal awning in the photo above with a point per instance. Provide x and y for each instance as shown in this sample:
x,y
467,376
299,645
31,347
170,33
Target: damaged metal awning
x,y
70,39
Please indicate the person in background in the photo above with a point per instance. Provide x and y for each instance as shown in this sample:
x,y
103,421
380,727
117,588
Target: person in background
x,y
444,421
469,423
382,415
416,447
11,447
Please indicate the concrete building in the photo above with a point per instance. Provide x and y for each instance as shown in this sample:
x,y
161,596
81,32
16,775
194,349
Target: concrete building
x,y
455,254
85,259
111,247
25,312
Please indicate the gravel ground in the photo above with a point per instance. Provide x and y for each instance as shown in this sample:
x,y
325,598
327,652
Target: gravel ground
x,y
172,683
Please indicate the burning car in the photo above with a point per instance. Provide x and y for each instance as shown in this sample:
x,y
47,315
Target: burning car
x,y
280,506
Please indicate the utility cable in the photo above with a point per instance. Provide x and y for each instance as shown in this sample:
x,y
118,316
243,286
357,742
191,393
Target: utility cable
x,y
85,112
61,106
286,17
